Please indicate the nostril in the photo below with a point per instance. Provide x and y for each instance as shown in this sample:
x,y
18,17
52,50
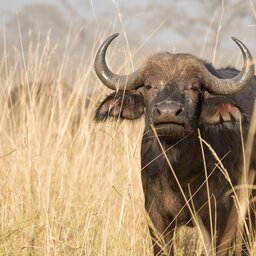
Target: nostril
x,y
158,111
178,111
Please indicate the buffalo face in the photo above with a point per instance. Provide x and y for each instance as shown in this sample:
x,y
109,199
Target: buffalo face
x,y
172,105
171,111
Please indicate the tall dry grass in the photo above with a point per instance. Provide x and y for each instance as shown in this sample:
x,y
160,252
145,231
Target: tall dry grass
x,y
69,185
66,187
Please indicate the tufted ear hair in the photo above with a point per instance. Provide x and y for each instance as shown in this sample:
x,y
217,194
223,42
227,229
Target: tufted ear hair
x,y
121,105
219,109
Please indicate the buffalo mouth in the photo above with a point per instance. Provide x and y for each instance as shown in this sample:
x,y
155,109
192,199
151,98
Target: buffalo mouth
x,y
169,126
170,130
158,124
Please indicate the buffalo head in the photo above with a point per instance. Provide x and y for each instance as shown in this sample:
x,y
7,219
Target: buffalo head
x,y
170,89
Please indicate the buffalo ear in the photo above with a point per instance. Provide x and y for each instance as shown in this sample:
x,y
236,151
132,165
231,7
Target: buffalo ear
x,y
219,109
121,105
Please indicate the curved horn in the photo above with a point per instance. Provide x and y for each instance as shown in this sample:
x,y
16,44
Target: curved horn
x,y
108,78
233,85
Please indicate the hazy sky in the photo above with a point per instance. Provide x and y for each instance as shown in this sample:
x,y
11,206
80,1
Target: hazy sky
x,y
180,25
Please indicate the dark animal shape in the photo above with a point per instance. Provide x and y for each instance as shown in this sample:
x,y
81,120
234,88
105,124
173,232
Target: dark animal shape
x,y
180,94
50,92
49,98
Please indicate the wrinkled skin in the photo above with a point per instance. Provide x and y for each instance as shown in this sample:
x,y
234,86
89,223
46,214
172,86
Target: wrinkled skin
x,y
176,106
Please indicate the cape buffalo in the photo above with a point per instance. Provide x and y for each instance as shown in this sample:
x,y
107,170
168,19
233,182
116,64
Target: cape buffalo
x,y
182,97
48,98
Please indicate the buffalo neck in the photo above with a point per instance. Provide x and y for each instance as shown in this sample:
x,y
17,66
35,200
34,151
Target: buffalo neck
x,y
183,157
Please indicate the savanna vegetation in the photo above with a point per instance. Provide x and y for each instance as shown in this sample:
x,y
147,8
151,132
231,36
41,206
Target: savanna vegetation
x,y
70,185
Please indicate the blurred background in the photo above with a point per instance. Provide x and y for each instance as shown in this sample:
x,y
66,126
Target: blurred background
x,y
69,185
203,28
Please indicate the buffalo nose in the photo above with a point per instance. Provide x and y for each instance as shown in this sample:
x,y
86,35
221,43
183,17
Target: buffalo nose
x,y
167,112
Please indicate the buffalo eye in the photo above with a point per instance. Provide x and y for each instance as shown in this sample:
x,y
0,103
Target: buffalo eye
x,y
148,86
196,87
